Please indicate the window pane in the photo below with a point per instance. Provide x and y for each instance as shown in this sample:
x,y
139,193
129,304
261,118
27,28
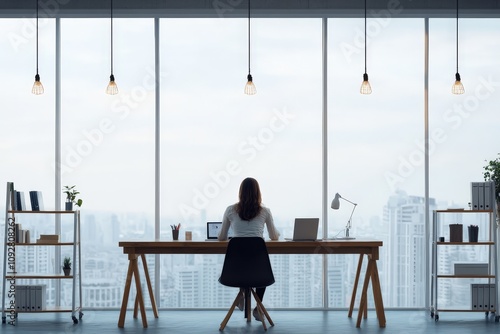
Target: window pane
x,y
27,136
463,131
376,154
108,141
210,143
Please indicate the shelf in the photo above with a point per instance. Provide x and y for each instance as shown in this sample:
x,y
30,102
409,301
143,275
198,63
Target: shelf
x,y
464,310
52,309
465,276
42,212
464,243
38,276
46,244
463,211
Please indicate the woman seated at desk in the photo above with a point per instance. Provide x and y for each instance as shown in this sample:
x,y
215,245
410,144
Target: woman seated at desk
x,y
247,219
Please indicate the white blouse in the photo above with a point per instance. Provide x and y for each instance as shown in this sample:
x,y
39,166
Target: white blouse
x,y
248,228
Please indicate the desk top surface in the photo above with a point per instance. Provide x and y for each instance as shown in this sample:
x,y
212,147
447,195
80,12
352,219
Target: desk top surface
x,y
274,247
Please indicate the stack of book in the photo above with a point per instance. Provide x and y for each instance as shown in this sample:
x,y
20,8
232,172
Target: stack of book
x,y
48,239
22,236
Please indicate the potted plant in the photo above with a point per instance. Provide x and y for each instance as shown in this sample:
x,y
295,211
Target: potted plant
x,y
71,193
492,173
67,266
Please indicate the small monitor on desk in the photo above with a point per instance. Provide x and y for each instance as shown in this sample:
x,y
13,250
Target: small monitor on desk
x,y
213,229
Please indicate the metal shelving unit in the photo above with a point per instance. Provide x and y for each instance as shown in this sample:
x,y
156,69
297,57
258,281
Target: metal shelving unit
x,y
437,246
11,275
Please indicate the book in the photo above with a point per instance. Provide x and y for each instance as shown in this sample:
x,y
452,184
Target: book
x,y
19,233
48,239
19,203
36,200
10,191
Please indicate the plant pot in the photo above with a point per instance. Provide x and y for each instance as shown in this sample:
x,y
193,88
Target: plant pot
x,y
67,271
69,206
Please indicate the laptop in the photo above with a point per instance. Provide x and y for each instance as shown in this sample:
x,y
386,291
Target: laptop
x,y
305,229
213,229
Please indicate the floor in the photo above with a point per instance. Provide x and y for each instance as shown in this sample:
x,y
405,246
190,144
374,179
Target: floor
x,y
289,322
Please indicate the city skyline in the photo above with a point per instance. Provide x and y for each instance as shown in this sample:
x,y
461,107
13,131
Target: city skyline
x,y
184,278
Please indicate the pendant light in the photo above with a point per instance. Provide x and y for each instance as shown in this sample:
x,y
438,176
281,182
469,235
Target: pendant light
x,y
112,88
457,87
365,86
249,87
37,86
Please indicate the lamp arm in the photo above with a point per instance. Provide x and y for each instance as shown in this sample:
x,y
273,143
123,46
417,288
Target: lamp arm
x,y
345,199
349,223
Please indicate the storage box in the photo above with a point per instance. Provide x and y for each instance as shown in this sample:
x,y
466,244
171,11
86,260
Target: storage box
x,y
471,269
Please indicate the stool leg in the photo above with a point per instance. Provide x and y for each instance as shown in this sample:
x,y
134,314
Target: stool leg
x,y
262,311
248,305
230,312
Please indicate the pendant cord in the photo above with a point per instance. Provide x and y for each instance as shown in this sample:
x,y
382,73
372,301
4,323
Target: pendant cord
x,y
365,36
248,36
36,36
457,36
111,37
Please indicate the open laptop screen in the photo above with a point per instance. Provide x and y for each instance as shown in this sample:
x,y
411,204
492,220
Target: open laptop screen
x,y
213,229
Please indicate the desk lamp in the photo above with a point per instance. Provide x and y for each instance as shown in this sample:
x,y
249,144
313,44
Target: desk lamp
x,y
336,206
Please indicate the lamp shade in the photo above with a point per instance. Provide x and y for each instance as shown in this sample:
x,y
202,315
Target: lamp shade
x,y
336,202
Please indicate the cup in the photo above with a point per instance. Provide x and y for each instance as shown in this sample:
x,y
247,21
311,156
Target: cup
x,y
189,235
175,234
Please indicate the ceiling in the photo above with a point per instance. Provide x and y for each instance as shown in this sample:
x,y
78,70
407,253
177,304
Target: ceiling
x,y
260,8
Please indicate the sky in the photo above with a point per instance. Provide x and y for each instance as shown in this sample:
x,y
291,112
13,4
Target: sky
x,y
212,135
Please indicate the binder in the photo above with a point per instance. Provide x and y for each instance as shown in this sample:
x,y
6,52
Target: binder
x,y
492,298
41,297
475,195
33,289
486,297
473,288
480,192
480,297
488,203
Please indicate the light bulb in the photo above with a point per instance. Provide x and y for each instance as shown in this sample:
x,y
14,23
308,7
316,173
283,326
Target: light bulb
x,y
37,86
250,87
365,86
457,87
112,88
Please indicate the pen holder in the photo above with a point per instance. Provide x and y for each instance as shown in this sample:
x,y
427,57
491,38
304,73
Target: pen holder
x,y
473,232
456,232
175,234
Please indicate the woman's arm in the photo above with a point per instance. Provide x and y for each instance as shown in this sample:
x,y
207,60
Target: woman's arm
x,y
274,234
225,226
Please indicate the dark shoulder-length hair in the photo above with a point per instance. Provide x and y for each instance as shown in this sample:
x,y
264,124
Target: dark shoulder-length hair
x,y
249,205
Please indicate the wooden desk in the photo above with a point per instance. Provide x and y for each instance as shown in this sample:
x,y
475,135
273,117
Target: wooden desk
x,y
136,249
